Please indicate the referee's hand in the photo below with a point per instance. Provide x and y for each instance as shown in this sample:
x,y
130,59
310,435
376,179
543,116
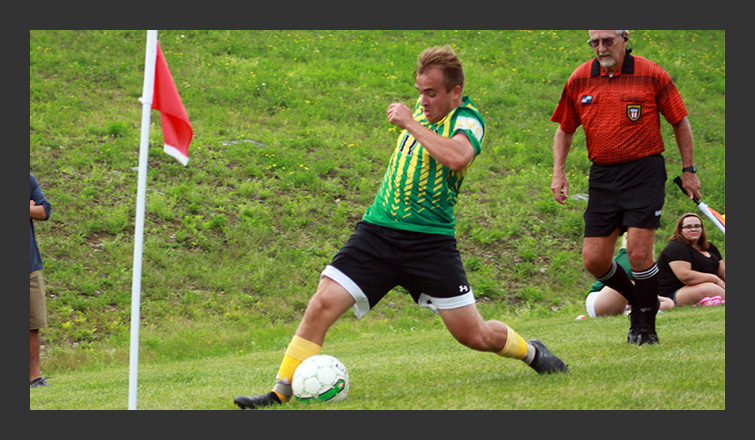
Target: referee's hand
x,y
560,188
691,185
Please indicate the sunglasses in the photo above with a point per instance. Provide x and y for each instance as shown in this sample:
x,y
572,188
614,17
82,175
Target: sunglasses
x,y
607,42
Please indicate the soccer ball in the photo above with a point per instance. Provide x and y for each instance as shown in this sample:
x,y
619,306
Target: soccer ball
x,y
321,377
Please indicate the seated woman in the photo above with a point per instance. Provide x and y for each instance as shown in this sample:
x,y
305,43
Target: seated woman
x,y
691,269
605,301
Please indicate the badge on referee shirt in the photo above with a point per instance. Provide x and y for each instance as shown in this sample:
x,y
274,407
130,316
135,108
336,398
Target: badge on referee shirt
x,y
634,111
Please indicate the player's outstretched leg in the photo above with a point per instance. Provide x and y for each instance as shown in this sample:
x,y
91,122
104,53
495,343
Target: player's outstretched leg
x,y
326,306
298,350
468,327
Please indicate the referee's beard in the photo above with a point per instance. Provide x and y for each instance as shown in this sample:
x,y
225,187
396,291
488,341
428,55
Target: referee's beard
x,y
607,60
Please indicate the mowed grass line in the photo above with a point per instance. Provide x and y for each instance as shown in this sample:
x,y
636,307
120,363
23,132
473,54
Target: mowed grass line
x,y
423,368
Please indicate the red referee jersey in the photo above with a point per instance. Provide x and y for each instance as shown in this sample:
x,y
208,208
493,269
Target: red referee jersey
x,y
620,114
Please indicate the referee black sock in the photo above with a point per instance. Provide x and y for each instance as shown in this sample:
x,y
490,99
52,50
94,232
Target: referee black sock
x,y
646,282
617,279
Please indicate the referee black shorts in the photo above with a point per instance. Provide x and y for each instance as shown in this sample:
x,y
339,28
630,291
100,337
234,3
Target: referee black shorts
x,y
376,259
625,195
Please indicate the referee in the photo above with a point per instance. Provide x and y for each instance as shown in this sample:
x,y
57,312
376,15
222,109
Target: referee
x,y
618,99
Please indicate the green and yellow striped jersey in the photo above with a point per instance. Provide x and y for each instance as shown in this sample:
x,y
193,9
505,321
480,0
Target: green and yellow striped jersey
x,y
418,193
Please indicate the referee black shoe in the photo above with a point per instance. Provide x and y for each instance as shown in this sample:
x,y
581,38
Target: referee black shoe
x,y
546,362
254,402
650,338
642,326
634,322
646,333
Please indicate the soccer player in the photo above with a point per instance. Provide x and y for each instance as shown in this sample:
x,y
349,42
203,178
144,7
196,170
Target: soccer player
x,y
407,236
618,99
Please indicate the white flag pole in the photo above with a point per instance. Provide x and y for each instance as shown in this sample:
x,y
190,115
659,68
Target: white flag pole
x,y
705,210
141,192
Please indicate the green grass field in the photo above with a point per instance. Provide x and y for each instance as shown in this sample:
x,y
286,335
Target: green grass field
x,y
397,367
291,141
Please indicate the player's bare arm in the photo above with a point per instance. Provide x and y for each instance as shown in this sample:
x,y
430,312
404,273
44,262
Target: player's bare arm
x,y
455,152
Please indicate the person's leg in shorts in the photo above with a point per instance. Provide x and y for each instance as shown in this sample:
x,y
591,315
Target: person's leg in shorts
x,y
693,294
37,321
627,197
432,271
362,272
603,225
469,328
608,302
642,201
337,292
605,302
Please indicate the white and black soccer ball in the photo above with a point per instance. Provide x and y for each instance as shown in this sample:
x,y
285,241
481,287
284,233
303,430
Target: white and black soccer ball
x,y
321,378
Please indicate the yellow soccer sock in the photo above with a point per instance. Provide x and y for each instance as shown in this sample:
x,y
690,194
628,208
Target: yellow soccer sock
x,y
517,348
298,350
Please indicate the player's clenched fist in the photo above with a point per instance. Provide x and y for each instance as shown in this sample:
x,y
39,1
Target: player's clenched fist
x,y
399,115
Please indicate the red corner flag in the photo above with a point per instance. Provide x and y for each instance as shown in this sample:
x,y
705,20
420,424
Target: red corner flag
x,y
177,131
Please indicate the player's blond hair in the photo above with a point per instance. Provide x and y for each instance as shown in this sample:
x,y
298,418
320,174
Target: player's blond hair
x,y
444,58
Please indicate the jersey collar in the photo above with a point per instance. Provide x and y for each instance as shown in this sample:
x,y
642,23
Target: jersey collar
x,y
627,67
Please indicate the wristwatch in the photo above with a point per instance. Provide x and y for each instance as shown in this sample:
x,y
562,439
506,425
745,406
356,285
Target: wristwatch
x,y
690,169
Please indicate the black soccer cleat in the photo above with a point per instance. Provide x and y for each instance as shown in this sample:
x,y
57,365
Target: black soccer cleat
x,y
546,362
254,402
39,382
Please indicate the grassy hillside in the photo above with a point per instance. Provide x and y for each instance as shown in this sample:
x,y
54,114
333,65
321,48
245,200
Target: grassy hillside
x,y
291,141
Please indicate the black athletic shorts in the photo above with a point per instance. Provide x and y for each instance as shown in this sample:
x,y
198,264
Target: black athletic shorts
x,y
625,195
376,259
